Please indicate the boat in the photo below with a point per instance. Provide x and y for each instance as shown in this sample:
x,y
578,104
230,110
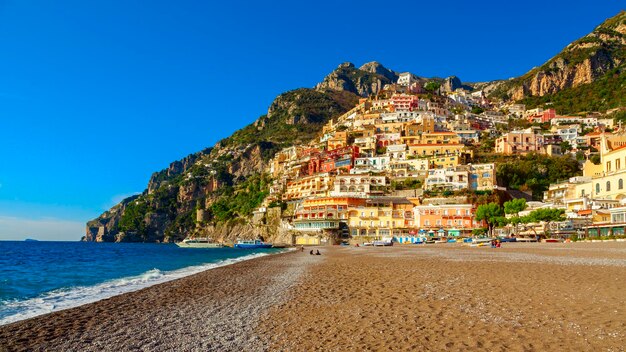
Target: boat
x,y
252,244
481,240
552,240
385,241
199,243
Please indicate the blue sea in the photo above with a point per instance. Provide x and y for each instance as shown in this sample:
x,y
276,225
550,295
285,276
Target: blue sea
x,y
43,277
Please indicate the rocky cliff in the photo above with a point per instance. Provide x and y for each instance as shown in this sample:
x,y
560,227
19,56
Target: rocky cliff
x,y
588,59
367,80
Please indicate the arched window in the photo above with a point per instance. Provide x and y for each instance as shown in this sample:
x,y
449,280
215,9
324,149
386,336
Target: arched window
x,y
608,186
597,188
620,184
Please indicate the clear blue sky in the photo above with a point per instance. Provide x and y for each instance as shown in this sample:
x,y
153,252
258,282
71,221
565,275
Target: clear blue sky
x,y
97,95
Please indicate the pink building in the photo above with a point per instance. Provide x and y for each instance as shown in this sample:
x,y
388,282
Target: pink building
x,y
542,117
519,142
404,102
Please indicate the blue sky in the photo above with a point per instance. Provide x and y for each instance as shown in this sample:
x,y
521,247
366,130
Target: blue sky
x,y
97,95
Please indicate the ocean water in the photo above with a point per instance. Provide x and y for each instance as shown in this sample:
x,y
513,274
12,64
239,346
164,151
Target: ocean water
x,y
42,277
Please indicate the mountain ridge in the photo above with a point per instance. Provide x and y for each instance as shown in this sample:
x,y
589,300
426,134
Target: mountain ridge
x,y
227,181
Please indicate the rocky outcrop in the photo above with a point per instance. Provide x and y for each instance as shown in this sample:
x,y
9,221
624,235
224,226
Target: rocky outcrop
x,y
105,227
582,62
367,80
174,169
378,69
451,84
558,75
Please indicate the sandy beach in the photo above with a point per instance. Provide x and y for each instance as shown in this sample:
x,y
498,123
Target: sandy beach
x,y
522,297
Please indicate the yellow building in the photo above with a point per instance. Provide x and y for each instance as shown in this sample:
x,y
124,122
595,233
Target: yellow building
x,y
607,178
438,149
318,185
381,217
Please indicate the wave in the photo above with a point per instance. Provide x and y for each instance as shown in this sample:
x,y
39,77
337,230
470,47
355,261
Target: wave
x,y
16,310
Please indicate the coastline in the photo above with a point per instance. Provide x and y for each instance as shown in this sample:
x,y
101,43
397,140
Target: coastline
x,y
210,311
59,299
521,297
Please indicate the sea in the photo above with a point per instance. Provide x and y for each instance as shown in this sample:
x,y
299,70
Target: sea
x,y
38,277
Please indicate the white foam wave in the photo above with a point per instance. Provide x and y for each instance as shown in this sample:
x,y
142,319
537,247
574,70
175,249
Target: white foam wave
x,y
68,298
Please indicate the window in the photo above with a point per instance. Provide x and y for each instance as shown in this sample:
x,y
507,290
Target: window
x,y
620,184
608,186
426,222
597,188
608,167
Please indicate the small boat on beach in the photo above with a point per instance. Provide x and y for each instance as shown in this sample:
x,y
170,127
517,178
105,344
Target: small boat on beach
x,y
199,243
385,241
252,244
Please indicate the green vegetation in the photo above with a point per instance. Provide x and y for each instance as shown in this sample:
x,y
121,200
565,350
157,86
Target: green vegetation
x,y
604,47
535,172
545,215
477,110
133,218
432,86
606,93
240,200
296,117
514,206
491,213
409,183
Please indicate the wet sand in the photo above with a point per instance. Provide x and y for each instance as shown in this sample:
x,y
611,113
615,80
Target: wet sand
x,y
522,297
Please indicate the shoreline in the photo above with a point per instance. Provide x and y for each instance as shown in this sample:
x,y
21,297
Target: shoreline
x,y
212,310
521,297
112,287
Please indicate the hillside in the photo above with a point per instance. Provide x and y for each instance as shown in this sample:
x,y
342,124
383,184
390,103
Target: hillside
x,y
229,175
586,75
216,190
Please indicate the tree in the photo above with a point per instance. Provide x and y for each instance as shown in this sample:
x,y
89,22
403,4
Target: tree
x,y
514,206
565,146
547,216
490,213
431,86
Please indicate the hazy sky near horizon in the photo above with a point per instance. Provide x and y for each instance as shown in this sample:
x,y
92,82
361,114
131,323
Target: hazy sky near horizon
x,y
97,95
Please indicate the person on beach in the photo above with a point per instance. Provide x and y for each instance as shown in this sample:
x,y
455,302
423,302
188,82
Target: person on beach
x,y
301,248
318,252
311,253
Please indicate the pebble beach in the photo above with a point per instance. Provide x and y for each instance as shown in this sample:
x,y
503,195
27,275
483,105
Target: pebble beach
x,y
521,297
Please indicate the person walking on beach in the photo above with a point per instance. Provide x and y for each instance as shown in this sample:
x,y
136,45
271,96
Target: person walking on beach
x,y
301,248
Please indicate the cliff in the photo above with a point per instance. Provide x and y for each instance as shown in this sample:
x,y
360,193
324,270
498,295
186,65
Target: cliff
x,y
224,183
594,57
364,81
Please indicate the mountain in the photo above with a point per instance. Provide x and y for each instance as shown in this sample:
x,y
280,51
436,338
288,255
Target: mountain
x,y
591,68
216,190
223,183
364,81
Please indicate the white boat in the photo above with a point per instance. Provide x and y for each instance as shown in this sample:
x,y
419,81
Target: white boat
x,y
252,244
199,243
385,241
